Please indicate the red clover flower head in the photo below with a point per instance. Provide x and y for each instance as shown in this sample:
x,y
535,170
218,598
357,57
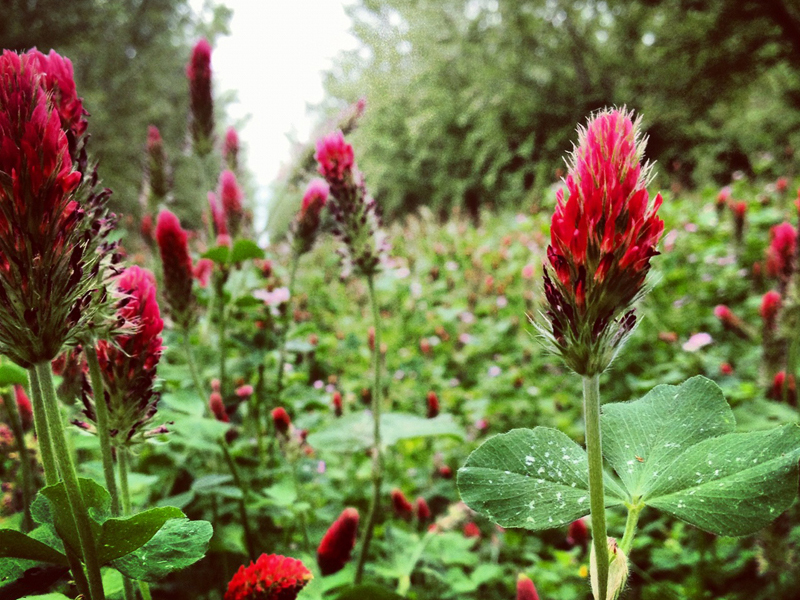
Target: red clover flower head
x,y
198,71
358,224
433,405
271,577
770,307
338,542
402,507
423,510
603,234
281,420
129,361
781,251
174,249
306,224
156,168
55,262
231,196
217,407
218,219
525,588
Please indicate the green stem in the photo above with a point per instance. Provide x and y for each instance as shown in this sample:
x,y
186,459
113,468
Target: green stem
x,y
198,386
299,493
42,430
124,457
630,526
219,288
285,330
248,534
591,410
404,582
101,412
15,421
71,483
377,455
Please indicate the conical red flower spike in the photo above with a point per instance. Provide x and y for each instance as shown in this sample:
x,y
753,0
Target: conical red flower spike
x,y
433,405
55,264
603,234
402,507
355,213
525,588
770,307
128,362
156,169
217,407
230,150
174,248
198,71
782,251
306,224
423,510
281,420
271,577
231,195
338,542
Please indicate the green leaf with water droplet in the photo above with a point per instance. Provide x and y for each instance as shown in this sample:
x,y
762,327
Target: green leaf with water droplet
x,y
532,478
675,449
178,544
119,537
642,437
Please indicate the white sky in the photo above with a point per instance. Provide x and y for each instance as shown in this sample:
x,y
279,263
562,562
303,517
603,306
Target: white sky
x,y
274,59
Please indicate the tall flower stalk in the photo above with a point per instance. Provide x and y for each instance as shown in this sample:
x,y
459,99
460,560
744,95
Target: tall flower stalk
x,y
55,261
603,234
362,250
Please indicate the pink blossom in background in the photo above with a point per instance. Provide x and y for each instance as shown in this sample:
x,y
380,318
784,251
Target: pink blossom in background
x,y
697,341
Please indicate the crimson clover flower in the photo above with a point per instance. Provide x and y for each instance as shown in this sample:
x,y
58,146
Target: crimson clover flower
x,y
770,307
781,251
156,167
525,588
271,577
603,234
178,267
306,224
55,262
338,542
358,224
230,149
128,362
402,507
231,195
198,71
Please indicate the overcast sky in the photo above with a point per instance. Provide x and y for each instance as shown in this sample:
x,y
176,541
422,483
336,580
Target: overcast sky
x,y
274,59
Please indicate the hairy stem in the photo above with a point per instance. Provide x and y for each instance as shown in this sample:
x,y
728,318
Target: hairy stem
x,y
71,483
42,430
124,468
101,412
377,455
219,287
630,526
591,410
198,385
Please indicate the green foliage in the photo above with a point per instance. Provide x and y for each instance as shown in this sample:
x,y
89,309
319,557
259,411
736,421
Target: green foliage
x,y
674,450
532,478
473,104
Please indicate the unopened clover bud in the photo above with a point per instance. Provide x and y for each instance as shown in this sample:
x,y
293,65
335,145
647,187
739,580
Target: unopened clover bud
x,y
231,195
338,542
433,405
770,306
281,420
230,150
739,212
337,403
525,588
732,322
422,509
173,246
198,71
217,407
617,571
156,167
402,507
